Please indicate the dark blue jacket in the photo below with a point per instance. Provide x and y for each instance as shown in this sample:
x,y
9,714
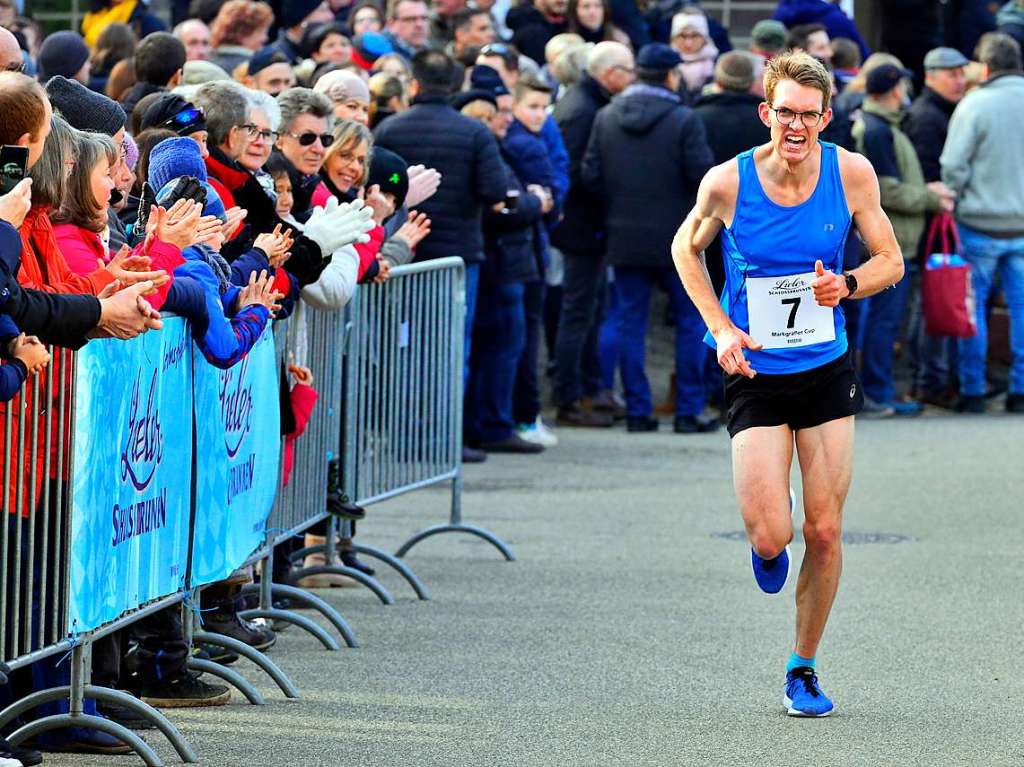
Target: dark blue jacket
x,y
581,230
510,239
432,133
527,155
646,157
792,13
12,372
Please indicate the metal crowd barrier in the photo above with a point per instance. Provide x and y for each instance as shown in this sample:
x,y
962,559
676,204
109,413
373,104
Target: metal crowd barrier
x,y
389,374
404,388
35,564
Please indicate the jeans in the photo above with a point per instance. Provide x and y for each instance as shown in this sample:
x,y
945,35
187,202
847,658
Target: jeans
x,y
883,317
633,292
577,371
987,256
472,289
526,398
500,339
609,350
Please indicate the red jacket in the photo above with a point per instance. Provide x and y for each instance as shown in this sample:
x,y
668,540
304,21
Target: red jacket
x,y
368,250
83,249
43,265
303,398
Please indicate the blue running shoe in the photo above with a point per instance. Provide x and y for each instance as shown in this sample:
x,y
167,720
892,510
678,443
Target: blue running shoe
x,y
771,574
803,694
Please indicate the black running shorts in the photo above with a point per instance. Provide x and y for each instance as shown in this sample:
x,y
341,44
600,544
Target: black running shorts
x,y
799,400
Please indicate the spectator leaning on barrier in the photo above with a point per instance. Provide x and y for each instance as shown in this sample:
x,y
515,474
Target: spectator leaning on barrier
x,y
979,164
580,237
905,199
647,140
433,134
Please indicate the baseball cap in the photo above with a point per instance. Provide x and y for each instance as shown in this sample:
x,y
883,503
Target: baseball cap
x,y
884,78
658,57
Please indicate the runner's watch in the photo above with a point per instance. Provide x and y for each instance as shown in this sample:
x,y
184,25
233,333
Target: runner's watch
x,y
851,283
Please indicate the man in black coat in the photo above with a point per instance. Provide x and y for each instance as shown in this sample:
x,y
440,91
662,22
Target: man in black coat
x,y
580,237
433,134
646,157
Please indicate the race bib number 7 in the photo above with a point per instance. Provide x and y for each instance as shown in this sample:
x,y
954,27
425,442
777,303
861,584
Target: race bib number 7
x,y
783,313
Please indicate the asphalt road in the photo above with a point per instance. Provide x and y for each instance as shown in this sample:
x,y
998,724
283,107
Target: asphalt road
x,y
630,631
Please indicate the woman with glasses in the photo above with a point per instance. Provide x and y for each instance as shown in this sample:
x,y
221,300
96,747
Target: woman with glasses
x,y
692,39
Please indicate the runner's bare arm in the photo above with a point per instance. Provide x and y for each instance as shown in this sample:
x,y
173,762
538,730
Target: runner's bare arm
x,y
884,266
716,201
717,193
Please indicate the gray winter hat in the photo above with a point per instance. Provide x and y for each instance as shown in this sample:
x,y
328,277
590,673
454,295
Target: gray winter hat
x,y
85,109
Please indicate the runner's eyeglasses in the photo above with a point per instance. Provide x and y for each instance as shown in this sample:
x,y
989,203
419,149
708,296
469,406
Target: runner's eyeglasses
x,y
787,116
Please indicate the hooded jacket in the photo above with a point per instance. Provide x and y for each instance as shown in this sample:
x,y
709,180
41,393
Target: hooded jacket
x,y
793,13
980,161
646,157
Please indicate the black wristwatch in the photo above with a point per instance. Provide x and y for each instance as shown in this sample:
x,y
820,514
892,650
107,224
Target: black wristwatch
x,y
851,284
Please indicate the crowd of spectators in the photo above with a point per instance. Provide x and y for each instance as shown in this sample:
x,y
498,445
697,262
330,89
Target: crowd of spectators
x,y
255,157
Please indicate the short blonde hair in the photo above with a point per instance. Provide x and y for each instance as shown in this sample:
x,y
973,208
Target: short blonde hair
x,y
801,68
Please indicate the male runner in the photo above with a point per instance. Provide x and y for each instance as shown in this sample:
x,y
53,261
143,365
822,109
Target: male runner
x,y
785,210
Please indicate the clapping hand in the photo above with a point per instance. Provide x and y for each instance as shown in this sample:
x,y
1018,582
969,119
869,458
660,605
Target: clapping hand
x,y
260,292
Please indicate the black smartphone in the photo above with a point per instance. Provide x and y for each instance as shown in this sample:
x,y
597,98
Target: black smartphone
x,y
13,166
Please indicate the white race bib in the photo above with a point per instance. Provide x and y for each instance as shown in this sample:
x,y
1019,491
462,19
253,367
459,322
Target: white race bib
x,y
783,313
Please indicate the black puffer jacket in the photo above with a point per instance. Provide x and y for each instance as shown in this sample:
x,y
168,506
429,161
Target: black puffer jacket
x,y
731,123
581,230
646,158
433,134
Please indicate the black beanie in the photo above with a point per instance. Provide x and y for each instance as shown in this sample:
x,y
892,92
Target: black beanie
x,y
391,173
85,109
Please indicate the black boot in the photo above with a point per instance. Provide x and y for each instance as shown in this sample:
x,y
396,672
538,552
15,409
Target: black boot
x,y
349,559
339,504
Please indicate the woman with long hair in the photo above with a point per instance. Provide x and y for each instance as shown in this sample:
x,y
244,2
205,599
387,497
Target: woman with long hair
x,y
117,43
592,20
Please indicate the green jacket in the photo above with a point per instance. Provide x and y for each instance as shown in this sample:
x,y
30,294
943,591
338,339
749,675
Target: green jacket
x,y
905,197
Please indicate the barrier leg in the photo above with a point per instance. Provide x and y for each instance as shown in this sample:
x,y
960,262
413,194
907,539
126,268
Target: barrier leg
x,y
255,656
298,620
230,676
371,583
455,525
318,604
403,569
140,707
63,721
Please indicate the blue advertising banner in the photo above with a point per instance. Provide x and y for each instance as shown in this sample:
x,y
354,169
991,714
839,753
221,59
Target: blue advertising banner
x,y
133,440
238,449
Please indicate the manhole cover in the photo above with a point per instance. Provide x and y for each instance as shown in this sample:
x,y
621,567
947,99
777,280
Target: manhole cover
x,y
849,537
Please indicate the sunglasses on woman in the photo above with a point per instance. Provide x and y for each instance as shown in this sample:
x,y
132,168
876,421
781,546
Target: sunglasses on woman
x,y
309,138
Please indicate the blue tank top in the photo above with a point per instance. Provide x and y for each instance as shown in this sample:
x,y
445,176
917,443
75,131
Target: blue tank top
x,y
770,240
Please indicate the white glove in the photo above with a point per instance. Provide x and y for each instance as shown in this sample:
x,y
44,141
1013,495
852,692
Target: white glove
x,y
334,226
423,182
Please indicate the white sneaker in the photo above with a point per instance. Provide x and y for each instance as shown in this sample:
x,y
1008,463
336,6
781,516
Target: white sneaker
x,y
7,761
537,433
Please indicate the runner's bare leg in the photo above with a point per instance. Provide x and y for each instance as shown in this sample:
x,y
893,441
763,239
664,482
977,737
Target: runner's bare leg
x,y
761,461
825,453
